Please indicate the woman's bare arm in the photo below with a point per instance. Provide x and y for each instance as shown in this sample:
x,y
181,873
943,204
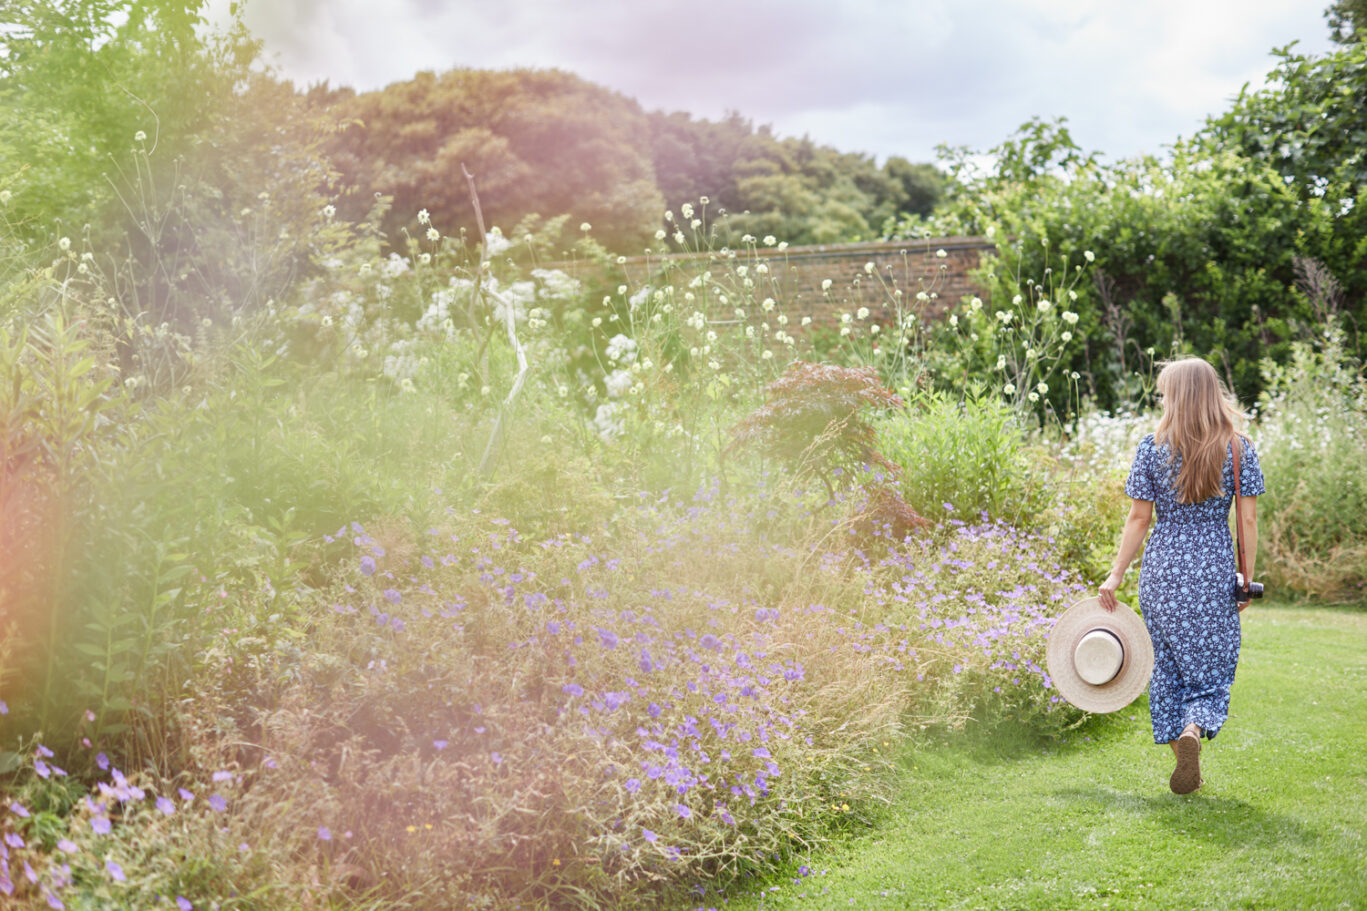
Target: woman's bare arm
x,y
1136,528
1248,507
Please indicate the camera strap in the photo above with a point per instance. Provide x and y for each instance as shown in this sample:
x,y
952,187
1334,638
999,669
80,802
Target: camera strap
x,y
1239,516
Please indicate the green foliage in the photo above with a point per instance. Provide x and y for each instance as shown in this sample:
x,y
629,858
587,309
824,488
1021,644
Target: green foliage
x,y
1312,443
548,142
537,141
1193,254
78,78
1346,20
967,457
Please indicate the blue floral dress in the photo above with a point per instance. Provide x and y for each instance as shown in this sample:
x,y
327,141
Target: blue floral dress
x,y
1186,591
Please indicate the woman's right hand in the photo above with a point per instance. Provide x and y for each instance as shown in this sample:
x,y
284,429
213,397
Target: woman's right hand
x,y
1108,589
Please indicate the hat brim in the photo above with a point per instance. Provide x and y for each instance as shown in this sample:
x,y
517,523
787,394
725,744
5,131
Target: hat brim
x,y
1133,676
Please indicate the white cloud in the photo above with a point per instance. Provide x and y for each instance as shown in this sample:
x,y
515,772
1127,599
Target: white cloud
x,y
881,76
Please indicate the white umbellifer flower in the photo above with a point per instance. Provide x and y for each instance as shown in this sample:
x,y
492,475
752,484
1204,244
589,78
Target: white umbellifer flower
x,y
711,336
1005,316
1009,389
1042,388
825,284
1034,397
1001,362
1031,354
617,383
806,321
940,254
678,237
747,238
425,259
1088,255
782,245
954,320
1070,317
749,331
64,244
1149,351
326,321
1043,305
597,321
695,223
845,318
783,319
862,313
767,355
704,200
1074,375
1066,336
423,217
433,235
621,348
329,211
687,210
868,268
5,197
406,385
1016,300
1072,295
975,304
762,269
922,296
660,234
844,330
742,271
768,304
365,269
770,240
875,329
139,136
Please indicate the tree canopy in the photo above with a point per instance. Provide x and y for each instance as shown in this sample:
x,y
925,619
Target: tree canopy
x,y
546,142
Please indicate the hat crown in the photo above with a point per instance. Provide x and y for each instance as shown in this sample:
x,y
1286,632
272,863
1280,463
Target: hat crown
x,y
1098,657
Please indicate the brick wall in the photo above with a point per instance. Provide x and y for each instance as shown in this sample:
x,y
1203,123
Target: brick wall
x,y
798,273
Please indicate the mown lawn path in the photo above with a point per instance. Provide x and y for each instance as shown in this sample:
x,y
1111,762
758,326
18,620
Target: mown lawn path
x,y
1090,823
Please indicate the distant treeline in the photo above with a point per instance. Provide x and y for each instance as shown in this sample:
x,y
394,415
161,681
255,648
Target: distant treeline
x,y
548,143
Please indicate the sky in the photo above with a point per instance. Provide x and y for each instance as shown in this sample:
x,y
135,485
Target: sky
x,y
885,77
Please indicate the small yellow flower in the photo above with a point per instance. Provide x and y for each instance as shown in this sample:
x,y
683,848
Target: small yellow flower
x,y
411,829
556,862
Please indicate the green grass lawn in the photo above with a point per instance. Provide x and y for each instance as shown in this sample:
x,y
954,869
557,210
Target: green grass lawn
x,y
1002,822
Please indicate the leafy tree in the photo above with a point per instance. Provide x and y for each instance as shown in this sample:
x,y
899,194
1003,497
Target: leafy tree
x,y
1346,19
1195,252
78,80
538,141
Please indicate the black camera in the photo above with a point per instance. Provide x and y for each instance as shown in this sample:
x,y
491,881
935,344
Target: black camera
x,y
1254,590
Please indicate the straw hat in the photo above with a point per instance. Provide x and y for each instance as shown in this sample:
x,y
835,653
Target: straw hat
x,y
1100,660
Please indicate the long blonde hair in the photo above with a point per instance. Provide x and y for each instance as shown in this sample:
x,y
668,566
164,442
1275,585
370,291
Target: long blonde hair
x,y
1200,417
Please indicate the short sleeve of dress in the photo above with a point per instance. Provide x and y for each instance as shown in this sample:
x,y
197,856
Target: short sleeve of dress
x,y
1250,472
1139,485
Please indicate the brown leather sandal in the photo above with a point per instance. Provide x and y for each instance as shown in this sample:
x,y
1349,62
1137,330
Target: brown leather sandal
x,y
1187,776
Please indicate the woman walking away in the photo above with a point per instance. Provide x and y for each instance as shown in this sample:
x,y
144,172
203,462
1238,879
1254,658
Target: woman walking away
x,y
1187,584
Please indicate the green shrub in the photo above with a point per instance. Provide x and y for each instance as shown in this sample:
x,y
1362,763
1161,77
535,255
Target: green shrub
x,y
966,457
1312,443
